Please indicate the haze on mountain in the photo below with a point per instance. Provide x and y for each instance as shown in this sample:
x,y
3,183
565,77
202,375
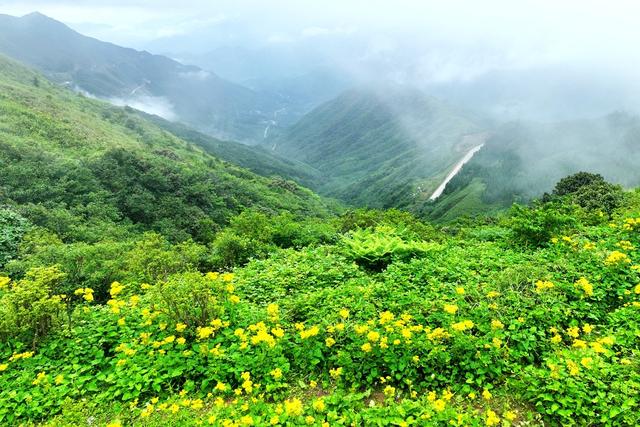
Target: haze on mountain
x,y
371,103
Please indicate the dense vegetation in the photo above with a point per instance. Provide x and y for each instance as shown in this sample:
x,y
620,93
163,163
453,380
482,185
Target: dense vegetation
x,y
382,148
370,318
502,172
86,170
145,282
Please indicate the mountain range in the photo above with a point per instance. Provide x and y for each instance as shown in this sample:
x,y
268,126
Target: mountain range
x,y
152,83
379,145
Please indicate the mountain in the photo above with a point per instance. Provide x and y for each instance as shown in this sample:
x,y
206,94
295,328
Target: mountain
x,y
152,83
522,160
389,147
255,158
84,168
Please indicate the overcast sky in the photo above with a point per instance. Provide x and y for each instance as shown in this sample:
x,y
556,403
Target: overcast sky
x,y
445,39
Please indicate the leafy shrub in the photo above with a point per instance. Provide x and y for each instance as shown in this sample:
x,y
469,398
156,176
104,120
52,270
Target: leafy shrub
x,y
288,272
31,308
535,226
12,228
188,298
377,247
591,192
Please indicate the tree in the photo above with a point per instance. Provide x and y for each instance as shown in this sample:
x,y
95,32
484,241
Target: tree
x,y
590,191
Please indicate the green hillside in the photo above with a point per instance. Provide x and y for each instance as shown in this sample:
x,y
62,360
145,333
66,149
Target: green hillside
x,y
389,148
528,318
83,168
253,157
609,146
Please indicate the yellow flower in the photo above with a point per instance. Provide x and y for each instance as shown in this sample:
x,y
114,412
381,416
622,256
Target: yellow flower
x,y
556,339
460,290
311,332
361,329
617,257
439,405
573,368
246,420
463,326
510,415
40,378
586,362
276,373
4,281
542,286
204,333
389,391
573,332
329,342
373,336
116,289
366,347
115,423
318,405
496,324
579,344
181,327
587,328
586,287
486,394
59,379
385,317
227,277
492,294
492,418
344,313
293,407
450,308
234,299
335,373
637,289
272,310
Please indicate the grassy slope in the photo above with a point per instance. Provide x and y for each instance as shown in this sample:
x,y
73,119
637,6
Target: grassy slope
x,y
375,149
254,158
533,354
57,148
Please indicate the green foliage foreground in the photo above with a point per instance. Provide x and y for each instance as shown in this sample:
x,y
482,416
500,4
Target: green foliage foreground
x,y
387,323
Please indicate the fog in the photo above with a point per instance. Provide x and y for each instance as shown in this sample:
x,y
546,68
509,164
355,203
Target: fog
x,y
543,60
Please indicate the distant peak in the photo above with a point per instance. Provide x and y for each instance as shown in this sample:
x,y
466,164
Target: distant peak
x,y
37,15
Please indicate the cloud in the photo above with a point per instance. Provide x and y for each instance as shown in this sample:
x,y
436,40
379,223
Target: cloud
x,y
322,31
158,105
279,38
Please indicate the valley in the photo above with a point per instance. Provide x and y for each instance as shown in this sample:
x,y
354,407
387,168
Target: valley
x,y
320,214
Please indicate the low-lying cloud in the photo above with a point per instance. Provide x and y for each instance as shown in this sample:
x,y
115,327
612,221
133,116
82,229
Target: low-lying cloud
x,y
157,105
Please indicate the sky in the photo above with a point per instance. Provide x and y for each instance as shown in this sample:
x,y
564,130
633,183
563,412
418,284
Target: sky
x,y
424,42
513,31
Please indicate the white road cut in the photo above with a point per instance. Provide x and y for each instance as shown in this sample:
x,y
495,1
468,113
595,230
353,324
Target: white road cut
x,y
455,171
